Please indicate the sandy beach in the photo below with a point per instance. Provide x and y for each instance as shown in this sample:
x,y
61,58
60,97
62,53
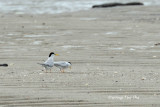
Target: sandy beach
x,y
114,58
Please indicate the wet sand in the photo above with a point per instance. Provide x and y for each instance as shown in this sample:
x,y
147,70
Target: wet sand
x,y
115,61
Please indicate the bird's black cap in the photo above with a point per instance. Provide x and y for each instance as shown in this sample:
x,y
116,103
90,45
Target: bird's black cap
x,y
51,54
70,62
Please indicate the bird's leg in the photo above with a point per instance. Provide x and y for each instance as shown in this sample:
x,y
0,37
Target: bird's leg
x,y
50,70
60,69
70,67
63,71
46,70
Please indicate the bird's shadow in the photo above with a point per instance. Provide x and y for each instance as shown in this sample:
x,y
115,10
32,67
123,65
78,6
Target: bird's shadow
x,y
59,72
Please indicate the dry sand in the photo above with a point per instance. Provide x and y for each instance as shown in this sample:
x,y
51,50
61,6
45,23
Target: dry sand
x,y
115,61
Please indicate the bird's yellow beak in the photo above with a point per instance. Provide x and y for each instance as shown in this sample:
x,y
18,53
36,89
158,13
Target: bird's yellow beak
x,y
56,54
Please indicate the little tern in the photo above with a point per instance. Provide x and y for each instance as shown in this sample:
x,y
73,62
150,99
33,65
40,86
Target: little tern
x,y
49,63
62,65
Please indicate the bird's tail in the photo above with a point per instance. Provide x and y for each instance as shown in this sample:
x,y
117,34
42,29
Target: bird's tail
x,y
40,63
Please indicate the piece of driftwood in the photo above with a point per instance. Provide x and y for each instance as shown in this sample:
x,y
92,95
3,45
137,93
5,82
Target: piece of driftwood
x,y
116,4
157,44
4,65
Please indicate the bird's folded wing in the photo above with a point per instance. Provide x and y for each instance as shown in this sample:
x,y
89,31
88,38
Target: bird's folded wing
x,y
59,63
56,64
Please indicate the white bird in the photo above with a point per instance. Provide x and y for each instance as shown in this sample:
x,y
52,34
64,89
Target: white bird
x,y
62,65
49,63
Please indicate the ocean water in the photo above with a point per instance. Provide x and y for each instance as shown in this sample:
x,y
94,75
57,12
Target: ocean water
x,y
56,6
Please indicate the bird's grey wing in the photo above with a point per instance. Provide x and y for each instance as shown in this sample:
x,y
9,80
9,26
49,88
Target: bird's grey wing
x,y
49,62
56,64
44,64
60,63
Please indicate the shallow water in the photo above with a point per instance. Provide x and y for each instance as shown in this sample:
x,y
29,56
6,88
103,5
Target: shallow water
x,y
56,6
